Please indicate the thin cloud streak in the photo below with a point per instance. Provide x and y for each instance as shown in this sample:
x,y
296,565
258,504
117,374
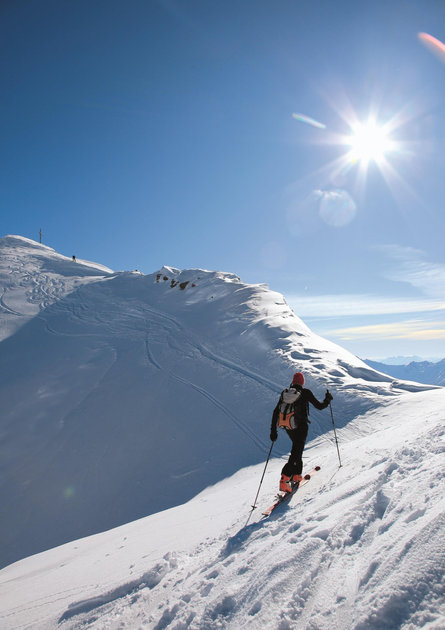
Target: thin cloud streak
x,y
411,329
412,268
345,305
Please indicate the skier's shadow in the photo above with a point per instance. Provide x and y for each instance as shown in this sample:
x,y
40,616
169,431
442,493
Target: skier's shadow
x,y
235,542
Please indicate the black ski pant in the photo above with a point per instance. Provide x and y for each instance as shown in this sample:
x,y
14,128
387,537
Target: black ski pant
x,y
298,436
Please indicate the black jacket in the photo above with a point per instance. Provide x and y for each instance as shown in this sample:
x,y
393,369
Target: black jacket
x,y
301,406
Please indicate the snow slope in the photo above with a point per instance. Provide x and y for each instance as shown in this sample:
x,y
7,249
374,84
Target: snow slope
x,y
34,276
124,394
358,548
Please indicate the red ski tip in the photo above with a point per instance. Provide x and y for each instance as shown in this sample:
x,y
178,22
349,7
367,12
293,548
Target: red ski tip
x,y
317,467
307,476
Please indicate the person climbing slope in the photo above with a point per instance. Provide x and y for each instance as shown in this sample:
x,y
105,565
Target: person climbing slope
x,y
292,414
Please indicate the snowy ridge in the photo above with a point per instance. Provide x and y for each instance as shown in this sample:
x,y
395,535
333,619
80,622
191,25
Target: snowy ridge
x,y
34,276
114,386
359,547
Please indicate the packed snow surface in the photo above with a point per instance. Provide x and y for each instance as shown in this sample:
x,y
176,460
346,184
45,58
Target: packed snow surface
x,y
359,547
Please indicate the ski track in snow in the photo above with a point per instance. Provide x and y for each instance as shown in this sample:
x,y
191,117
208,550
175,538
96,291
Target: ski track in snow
x,y
5,307
164,321
250,434
207,353
151,360
261,444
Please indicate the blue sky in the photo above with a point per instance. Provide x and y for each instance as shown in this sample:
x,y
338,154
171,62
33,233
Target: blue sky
x,y
154,132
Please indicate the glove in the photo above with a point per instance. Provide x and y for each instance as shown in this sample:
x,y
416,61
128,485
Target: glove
x,y
328,397
273,435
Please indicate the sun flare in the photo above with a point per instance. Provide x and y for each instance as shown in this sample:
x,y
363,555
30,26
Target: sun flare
x,y
369,142
371,146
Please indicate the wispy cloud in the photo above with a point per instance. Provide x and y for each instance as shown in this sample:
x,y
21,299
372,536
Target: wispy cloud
x,y
408,265
345,305
427,309
412,267
411,329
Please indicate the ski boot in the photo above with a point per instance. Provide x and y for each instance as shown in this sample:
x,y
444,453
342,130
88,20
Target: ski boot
x,y
285,484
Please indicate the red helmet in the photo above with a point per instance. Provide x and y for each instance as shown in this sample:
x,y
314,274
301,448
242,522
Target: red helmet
x,y
298,379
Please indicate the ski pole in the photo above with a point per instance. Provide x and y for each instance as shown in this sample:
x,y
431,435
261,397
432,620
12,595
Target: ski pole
x,y
259,487
335,435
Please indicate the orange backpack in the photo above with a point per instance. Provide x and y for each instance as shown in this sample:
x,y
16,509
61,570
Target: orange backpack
x,y
286,409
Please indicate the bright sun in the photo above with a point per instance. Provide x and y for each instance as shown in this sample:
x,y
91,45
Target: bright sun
x,y
369,142
370,145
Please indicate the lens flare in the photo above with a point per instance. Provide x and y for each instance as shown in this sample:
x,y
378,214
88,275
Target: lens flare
x,y
309,121
68,492
434,45
337,207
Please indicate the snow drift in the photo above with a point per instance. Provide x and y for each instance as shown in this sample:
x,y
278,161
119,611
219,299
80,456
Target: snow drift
x,y
124,394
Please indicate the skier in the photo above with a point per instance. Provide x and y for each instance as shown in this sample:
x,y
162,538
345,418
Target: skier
x,y
291,473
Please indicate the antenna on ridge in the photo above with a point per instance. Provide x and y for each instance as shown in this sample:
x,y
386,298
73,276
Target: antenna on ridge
x,y
40,234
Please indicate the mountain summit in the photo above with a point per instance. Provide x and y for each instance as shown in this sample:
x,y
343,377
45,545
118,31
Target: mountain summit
x,y
124,394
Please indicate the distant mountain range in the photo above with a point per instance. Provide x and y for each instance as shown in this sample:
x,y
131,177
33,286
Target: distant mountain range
x,y
403,360
419,371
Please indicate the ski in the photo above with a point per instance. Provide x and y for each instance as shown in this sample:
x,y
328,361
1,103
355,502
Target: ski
x,y
282,497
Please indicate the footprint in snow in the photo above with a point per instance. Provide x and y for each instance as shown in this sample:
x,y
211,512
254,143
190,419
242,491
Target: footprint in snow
x,y
414,515
205,590
255,609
